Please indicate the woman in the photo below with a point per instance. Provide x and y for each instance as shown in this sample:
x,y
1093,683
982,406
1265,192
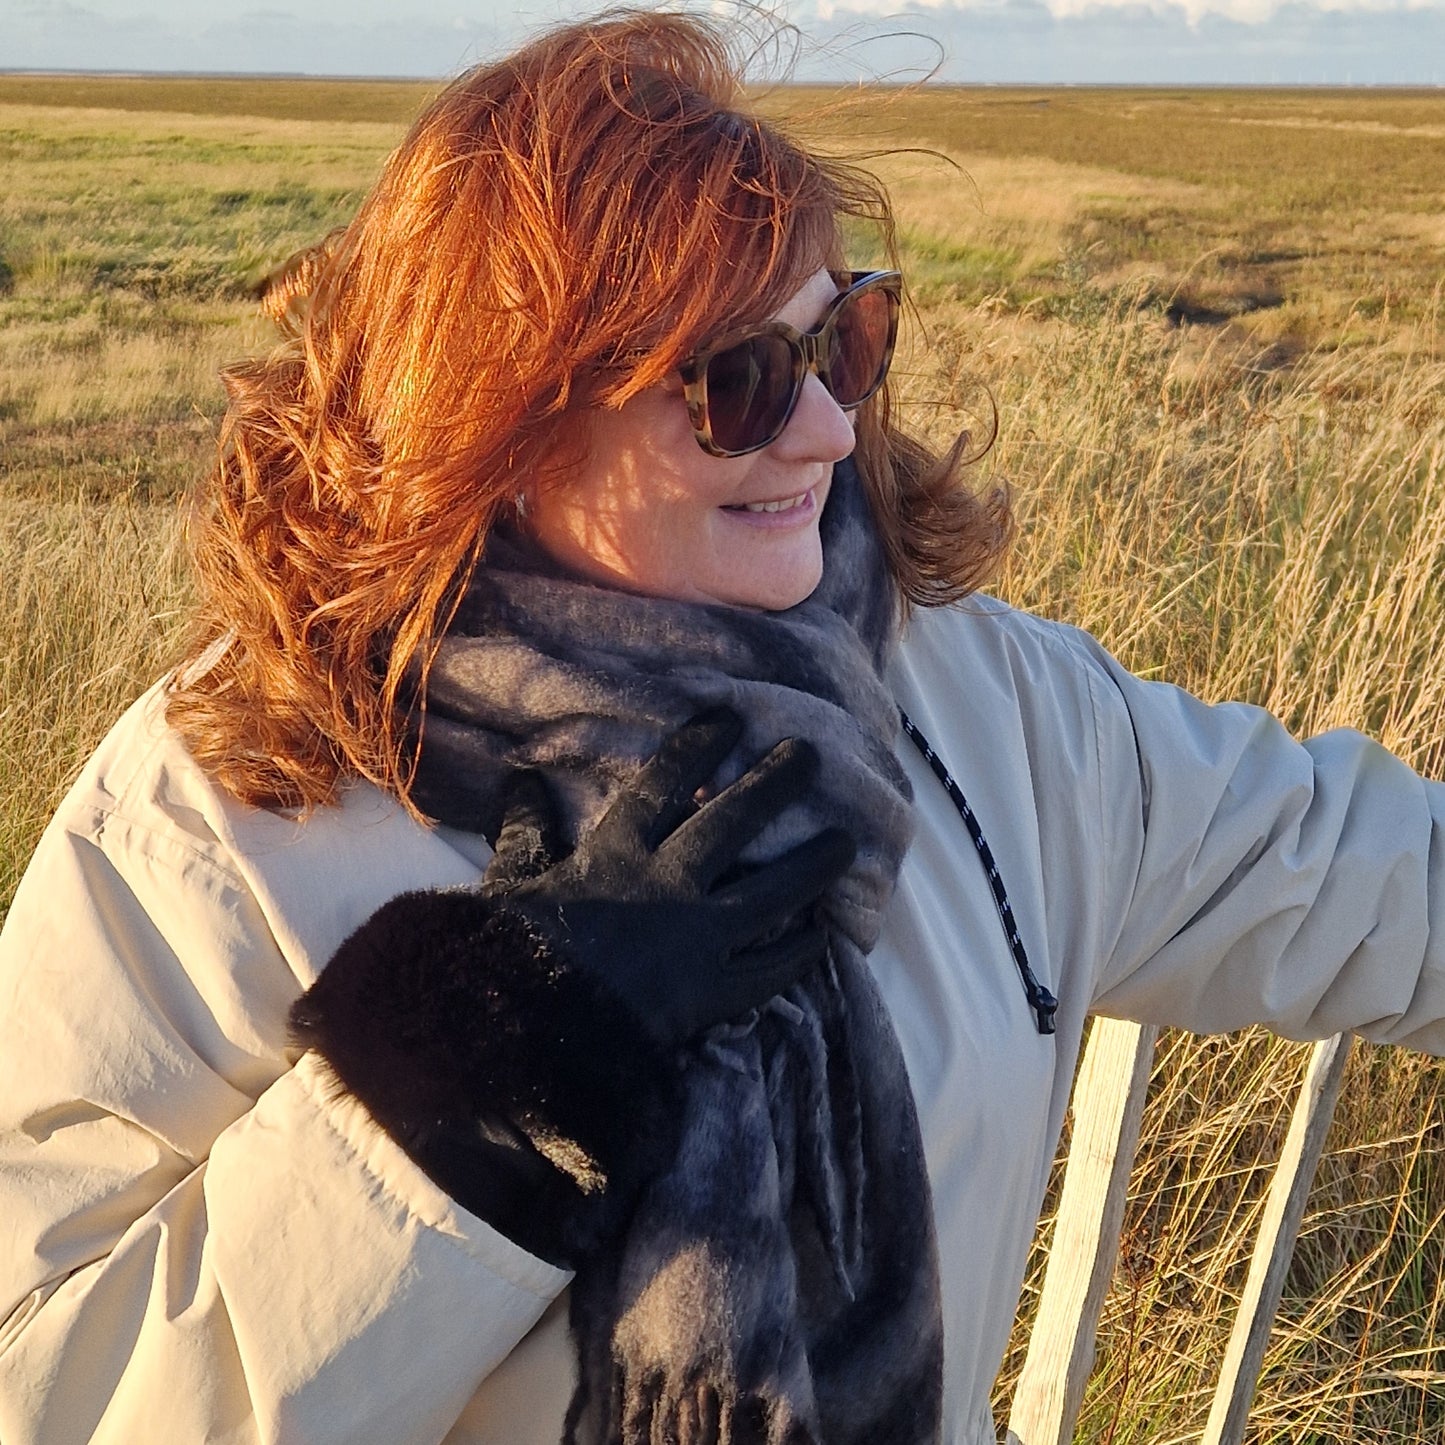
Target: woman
x,y
573,522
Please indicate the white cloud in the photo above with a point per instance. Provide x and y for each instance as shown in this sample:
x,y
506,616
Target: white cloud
x,y
1027,41
1246,12
106,35
1137,42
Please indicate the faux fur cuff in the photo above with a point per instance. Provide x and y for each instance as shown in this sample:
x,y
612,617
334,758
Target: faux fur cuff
x,y
521,1085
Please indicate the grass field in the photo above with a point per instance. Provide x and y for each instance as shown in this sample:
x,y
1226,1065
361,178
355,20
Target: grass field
x,y
1212,325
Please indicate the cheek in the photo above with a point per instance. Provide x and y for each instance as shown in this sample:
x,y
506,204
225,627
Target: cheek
x,y
640,509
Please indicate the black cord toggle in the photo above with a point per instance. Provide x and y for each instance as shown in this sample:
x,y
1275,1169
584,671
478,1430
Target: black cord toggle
x,y
1041,1001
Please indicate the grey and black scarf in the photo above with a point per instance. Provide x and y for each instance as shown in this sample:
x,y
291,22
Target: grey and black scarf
x,y
779,1281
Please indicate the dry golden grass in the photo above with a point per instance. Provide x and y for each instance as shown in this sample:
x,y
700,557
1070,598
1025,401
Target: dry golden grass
x,y
93,602
1298,212
129,245
1276,536
1253,507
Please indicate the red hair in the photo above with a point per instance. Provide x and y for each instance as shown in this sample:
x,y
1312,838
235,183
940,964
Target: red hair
x,y
556,232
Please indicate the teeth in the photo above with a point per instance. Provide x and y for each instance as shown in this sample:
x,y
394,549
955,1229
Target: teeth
x,y
786,505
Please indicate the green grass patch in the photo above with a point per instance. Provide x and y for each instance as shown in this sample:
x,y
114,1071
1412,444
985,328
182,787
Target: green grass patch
x,y
388,102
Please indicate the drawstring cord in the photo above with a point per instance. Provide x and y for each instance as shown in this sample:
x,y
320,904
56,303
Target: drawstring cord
x,y
1043,1003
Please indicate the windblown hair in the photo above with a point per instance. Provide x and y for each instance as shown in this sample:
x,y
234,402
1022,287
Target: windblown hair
x,y
557,232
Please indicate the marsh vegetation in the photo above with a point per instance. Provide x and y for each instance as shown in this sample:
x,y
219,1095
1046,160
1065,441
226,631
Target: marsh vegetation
x,y
1212,326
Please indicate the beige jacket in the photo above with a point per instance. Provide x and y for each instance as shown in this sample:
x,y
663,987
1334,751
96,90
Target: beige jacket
x,y
199,1243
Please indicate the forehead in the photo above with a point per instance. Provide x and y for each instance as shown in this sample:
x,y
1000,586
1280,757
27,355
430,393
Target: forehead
x,y
804,307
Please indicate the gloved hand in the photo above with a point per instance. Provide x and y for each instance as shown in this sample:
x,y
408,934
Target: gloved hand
x,y
643,904
520,1040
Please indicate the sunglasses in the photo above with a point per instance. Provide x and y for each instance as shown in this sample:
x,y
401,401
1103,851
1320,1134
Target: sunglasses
x,y
742,390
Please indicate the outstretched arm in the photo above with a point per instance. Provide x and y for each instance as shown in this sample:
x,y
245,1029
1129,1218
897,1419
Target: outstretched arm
x,y
1263,880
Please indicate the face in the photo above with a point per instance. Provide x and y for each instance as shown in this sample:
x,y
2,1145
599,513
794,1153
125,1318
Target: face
x,y
651,512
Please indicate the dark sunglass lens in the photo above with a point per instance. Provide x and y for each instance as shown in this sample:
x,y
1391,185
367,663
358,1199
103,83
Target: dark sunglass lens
x,y
750,392
859,355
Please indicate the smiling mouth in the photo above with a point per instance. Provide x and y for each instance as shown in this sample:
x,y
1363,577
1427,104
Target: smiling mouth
x,y
785,504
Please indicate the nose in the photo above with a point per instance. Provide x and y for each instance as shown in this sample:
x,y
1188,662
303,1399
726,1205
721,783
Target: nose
x,y
818,430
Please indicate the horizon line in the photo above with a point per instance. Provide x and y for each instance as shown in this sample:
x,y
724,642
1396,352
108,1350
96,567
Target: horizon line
x,y
66,72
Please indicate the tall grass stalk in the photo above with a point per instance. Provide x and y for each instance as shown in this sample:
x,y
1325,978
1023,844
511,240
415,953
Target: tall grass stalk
x,y
92,603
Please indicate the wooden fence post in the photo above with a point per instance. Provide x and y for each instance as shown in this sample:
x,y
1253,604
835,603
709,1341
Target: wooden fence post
x,y
1278,1231
1108,1104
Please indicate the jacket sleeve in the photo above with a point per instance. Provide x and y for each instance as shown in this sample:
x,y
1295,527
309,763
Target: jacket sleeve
x,y
199,1240
1257,879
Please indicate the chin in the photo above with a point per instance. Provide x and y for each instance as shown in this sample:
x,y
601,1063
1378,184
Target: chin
x,y
791,585
777,594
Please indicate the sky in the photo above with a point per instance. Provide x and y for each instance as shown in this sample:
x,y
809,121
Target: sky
x,y
1140,42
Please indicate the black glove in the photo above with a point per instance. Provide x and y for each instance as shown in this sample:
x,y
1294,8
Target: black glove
x,y
643,905
520,1041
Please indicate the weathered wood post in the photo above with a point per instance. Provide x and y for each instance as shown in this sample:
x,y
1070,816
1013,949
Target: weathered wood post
x,y
1108,1105
1278,1231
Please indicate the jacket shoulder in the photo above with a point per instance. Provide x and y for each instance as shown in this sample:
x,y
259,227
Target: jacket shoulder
x,y
983,652
149,808
142,789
